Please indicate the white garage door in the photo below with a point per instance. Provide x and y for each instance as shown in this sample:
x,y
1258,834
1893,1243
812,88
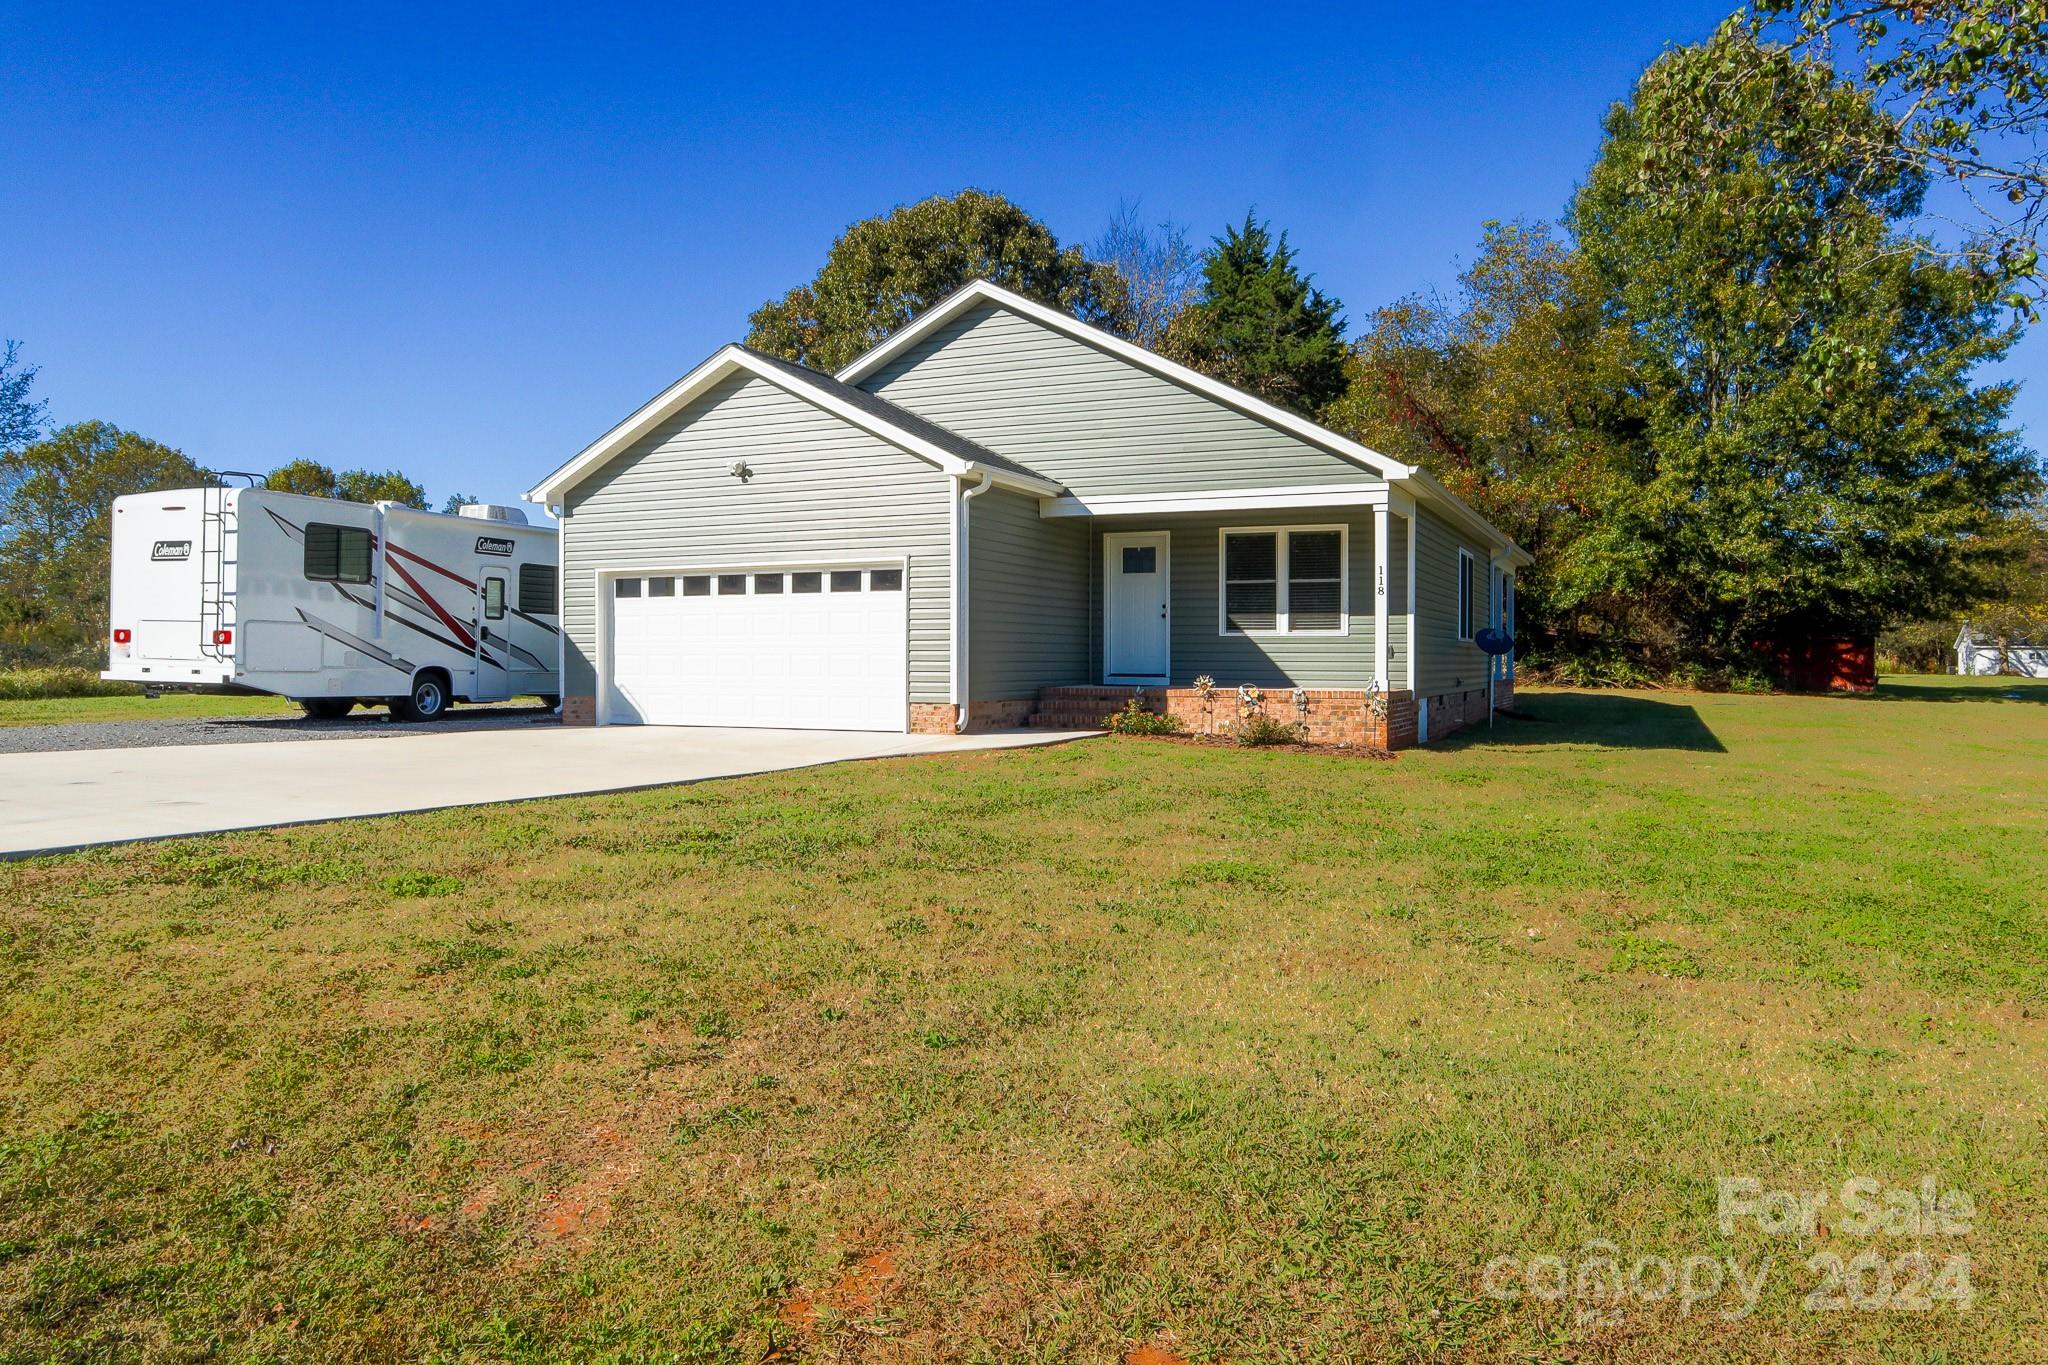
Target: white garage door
x,y
814,649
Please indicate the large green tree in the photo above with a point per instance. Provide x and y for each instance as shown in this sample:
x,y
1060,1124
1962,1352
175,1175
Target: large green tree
x,y
1261,324
351,485
55,529
21,414
882,272
1510,392
1816,454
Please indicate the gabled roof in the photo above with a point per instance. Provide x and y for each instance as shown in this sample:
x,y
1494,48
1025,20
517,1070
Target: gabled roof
x,y
1411,478
877,416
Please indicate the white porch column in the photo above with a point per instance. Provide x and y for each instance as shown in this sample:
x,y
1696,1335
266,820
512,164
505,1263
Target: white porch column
x,y
1411,651
1380,531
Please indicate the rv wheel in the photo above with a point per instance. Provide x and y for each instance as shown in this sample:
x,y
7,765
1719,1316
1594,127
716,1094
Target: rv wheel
x,y
327,708
429,699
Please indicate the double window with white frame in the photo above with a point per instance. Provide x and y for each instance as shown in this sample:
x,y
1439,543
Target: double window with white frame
x,y
1284,580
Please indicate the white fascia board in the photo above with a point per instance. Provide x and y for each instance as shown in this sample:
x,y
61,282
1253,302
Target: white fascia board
x,y
981,290
724,361
1216,500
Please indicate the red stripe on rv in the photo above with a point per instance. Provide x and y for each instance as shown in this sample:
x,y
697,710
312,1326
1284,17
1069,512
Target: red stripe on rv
x,y
468,641
469,583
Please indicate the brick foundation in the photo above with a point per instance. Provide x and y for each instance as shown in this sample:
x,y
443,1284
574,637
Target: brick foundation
x,y
937,718
579,710
1326,715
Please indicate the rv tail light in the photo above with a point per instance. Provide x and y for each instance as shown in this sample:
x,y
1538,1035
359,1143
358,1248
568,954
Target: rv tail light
x,y
122,637
223,637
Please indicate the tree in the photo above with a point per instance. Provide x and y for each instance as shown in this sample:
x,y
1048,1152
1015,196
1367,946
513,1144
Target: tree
x,y
1261,325
882,272
456,502
1161,273
1815,456
316,480
1507,393
56,532
21,417
1961,87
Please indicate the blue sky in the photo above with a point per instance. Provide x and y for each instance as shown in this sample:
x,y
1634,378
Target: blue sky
x,y
463,246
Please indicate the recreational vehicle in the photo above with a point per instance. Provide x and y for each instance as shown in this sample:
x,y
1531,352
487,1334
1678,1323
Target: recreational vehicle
x,y
331,603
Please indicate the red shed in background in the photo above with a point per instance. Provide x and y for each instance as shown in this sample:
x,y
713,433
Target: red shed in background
x,y
1827,664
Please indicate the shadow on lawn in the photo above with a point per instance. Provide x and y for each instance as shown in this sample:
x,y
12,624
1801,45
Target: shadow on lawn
x,y
1958,689
1611,719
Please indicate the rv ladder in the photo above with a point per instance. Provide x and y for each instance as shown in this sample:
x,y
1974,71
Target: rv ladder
x,y
216,537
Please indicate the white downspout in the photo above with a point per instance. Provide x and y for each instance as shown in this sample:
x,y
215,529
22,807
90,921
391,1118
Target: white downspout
x,y
561,515
961,683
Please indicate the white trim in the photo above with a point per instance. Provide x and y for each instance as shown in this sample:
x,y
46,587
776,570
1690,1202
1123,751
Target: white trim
x,y
1413,636
980,290
601,581
963,682
1467,603
1281,625
724,361
1382,565
1115,540
1216,500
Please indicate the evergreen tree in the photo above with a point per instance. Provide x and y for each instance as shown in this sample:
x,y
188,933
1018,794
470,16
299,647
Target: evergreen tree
x,y
1261,325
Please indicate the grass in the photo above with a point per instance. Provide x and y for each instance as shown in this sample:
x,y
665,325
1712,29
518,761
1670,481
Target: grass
x,y
170,706
1048,1054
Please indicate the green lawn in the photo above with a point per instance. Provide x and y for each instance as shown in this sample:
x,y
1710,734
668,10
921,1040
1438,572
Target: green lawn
x,y
1052,1054
171,706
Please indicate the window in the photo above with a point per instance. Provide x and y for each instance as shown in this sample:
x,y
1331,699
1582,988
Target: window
x,y
885,580
625,587
697,585
846,580
494,598
767,582
661,587
337,554
1251,592
1289,580
730,583
806,582
1141,559
537,589
1464,594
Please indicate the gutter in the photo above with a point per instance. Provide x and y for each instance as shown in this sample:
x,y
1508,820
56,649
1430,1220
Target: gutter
x,y
960,591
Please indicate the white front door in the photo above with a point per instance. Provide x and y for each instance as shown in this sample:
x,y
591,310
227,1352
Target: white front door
x,y
1136,620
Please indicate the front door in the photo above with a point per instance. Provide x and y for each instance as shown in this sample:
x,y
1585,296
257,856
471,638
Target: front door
x,y
1137,621
493,680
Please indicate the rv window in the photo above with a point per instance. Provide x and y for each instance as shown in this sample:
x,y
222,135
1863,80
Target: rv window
x,y
494,598
537,589
337,554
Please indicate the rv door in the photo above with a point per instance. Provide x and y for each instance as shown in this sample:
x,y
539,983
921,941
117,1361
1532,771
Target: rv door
x,y
493,680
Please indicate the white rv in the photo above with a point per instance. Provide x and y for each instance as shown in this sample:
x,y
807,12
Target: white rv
x,y
332,603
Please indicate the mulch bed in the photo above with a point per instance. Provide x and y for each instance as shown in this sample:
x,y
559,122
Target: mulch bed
x,y
1226,742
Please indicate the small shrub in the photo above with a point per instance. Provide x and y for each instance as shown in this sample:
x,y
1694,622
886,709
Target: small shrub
x,y
1136,720
1256,731
421,884
52,684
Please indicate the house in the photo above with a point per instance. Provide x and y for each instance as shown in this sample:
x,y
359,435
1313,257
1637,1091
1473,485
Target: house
x,y
1979,651
999,515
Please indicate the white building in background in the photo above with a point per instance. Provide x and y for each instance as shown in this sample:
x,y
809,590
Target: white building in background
x,y
1979,653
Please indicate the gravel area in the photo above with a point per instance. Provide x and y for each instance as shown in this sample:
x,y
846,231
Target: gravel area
x,y
138,734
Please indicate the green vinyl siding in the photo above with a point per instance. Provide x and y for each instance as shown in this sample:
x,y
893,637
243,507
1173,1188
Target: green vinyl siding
x,y
1027,609
1090,420
1445,663
818,487
1298,660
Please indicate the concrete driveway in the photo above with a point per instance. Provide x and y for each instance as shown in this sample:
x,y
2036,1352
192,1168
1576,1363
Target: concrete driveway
x,y
55,801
